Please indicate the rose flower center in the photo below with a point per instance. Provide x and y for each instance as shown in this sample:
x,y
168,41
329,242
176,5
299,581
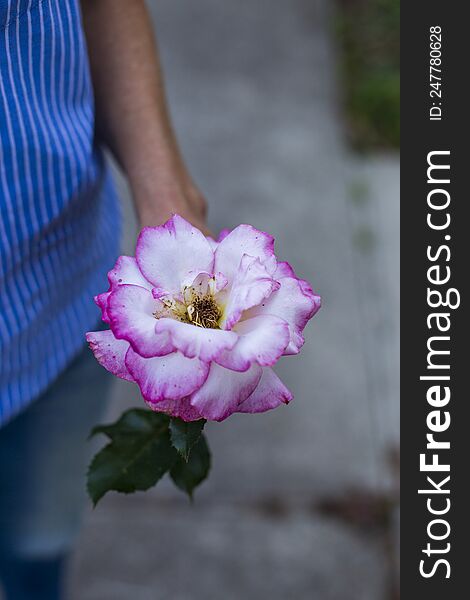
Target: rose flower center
x,y
194,306
203,312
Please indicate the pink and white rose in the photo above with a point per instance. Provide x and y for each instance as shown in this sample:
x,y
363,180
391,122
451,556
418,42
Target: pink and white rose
x,y
198,324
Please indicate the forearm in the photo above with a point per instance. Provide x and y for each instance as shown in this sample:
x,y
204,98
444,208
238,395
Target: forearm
x,y
131,112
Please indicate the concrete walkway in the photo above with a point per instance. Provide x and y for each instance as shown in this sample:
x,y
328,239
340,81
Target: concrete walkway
x,y
300,503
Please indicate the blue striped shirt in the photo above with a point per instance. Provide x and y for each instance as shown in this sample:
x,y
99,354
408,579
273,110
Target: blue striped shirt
x,y
59,224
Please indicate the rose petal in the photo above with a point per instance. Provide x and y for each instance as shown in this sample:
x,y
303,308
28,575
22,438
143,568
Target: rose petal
x,y
166,377
269,393
131,314
203,283
196,342
109,352
244,239
166,254
296,303
176,408
224,390
212,243
283,269
101,300
222,235
126,271
251,285
262,339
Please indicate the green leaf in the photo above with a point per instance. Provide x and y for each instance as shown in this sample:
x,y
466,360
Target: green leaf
x,y
187,475
185,435
134,419
139,454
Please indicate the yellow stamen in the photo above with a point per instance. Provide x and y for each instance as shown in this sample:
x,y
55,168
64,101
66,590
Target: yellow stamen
x,y
204,312
196,309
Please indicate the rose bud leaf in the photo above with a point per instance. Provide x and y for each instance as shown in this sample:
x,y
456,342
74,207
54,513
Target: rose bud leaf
x,y
185,434
187,475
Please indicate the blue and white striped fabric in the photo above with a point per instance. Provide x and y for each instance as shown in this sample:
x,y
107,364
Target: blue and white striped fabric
x,y
59,225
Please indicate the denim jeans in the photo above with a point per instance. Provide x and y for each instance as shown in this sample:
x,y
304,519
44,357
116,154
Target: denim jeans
x,y
44,454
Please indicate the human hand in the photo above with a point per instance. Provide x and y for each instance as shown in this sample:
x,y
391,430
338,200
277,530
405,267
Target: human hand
x,y
178,196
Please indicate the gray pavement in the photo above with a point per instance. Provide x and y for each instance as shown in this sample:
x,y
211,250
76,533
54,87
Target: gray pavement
x,y
300,503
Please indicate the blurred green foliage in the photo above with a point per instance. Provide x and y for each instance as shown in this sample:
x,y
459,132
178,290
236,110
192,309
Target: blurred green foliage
x,y
369,34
